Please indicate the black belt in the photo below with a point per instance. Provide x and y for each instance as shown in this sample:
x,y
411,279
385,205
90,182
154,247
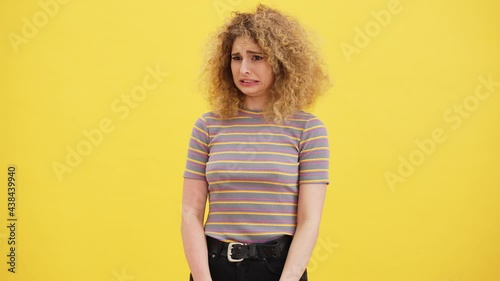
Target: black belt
x,y
236,252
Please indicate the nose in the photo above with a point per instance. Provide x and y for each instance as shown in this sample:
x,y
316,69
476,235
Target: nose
x,y
244,68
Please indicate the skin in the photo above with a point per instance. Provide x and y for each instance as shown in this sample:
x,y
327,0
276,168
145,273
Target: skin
x,y
253,76
309,210
194,197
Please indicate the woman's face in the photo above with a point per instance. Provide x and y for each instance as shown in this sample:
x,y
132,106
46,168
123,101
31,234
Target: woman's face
x,y
252,74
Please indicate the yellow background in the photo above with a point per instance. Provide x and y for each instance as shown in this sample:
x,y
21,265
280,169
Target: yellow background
x,y
116,214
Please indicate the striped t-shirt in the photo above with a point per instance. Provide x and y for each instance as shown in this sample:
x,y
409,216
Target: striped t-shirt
x,y
253,169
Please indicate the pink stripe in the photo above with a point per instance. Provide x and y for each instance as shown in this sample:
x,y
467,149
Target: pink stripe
x,y
196,164
253,221
314,129
319,152
253,189
253,132
253,180
315,141
240,231
248,199
214,209
224,173
236,123
259,169
252,149
315,161
268,138
197,153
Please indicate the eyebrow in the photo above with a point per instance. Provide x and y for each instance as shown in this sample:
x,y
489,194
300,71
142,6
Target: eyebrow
x,y
249,52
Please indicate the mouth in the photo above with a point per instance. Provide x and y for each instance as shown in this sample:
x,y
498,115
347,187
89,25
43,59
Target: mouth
x,y
249,82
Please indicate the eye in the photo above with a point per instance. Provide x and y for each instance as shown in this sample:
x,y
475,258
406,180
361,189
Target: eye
x,y
236,58
257,57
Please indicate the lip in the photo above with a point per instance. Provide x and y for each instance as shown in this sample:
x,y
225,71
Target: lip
x,y
249,82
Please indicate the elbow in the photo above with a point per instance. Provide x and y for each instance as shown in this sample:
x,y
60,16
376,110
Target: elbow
x,y
309,226
190,221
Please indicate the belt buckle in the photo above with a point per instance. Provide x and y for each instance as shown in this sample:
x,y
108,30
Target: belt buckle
x,y
229,252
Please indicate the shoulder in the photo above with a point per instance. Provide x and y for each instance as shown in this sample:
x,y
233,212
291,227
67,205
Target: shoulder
x,y
206,117
308,119
312,126
209,115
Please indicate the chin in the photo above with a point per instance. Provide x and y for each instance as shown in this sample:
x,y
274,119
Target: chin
x,y
251,93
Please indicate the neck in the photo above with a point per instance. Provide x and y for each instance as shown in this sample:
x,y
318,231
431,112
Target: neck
x,y
255,103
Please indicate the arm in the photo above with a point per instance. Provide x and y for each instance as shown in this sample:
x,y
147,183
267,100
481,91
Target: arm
x,y
194,197
310,207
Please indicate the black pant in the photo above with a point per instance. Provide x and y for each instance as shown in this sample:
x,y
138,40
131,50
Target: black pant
x,y
268,269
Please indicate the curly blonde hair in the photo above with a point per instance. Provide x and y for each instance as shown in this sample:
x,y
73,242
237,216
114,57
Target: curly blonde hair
x,y
299,74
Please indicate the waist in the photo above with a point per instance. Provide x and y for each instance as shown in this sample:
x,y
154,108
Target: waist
x,y
236,252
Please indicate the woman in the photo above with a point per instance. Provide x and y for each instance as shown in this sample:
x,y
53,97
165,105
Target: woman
x,y
257,156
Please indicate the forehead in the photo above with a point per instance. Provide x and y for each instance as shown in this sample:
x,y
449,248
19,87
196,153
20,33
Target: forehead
x,y
245,43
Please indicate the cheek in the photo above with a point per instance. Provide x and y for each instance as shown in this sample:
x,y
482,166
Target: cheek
x,y
270,76
269,73
234,70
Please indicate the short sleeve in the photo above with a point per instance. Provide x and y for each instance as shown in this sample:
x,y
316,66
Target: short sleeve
x,y
314,153
198,150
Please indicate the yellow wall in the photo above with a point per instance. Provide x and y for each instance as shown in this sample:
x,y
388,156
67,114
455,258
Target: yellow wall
x,y
98,98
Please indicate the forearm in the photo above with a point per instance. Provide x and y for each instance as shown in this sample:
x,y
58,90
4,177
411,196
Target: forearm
x,y
193,235
195,249
300,251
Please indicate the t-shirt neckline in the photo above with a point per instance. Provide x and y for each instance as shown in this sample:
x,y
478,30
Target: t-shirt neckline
x,y
252,111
